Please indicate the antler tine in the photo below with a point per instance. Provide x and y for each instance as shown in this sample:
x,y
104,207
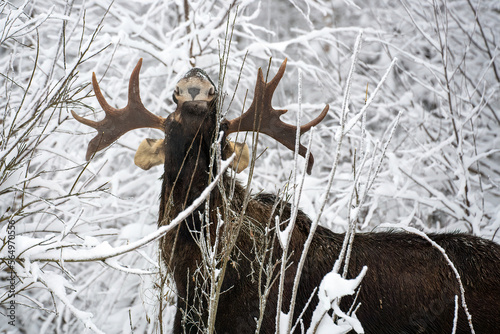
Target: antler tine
x,y
119,121
271,85
262,117
134,96
100,97
306,127
108,109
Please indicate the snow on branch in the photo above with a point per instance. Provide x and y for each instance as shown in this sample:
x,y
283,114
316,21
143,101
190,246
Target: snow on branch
x,y
103,251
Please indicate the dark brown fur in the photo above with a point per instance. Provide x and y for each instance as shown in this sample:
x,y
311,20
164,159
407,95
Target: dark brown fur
x,y
409,287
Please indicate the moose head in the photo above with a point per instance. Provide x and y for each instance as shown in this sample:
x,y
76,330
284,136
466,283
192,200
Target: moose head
x,y
195,95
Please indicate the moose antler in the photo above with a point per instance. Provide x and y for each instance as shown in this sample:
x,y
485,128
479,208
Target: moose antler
x,y
119,121
262,117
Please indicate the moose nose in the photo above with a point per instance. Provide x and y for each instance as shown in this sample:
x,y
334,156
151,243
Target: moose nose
x,y
193,92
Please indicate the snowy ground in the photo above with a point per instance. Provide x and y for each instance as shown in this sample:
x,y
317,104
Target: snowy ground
x,y
434,63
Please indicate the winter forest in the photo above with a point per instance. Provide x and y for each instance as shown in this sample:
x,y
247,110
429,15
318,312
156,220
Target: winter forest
x,y
411,141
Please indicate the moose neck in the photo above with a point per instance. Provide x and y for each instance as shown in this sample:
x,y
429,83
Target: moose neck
x,y
188,139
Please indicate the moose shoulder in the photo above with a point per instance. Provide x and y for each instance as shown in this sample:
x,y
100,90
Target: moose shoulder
x,y
409,286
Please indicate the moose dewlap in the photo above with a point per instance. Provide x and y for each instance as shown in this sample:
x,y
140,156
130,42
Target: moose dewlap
x,y
409,287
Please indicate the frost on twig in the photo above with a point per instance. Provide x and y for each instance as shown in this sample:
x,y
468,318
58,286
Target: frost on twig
x,y
332,288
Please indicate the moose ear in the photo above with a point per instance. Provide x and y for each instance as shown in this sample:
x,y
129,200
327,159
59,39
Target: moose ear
x,y
242,158
150,153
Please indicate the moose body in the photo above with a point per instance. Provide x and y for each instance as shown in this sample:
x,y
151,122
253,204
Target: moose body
x,y
409,286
